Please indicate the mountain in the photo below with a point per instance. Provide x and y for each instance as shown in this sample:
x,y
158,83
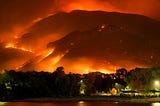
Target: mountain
x,y
97,40
57,26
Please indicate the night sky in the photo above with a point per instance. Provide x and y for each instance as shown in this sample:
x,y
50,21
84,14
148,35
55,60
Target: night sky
x,y
43,34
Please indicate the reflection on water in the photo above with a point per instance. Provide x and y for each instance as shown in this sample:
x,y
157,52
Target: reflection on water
x,y
156,104
2,103
80,103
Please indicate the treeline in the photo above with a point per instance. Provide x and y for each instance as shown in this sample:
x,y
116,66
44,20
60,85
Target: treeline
x,y
31,84
144,79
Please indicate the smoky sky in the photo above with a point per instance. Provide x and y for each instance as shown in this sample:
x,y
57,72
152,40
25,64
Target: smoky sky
x,y
19,13
145,7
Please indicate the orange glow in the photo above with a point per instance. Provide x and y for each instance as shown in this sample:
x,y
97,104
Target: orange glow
x,y
106,71
49,63
84,65
36,20
45,53
144,7
56,59
89,5
11,45
84,69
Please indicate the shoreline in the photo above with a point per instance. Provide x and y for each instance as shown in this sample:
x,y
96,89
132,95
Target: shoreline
x,y
94,99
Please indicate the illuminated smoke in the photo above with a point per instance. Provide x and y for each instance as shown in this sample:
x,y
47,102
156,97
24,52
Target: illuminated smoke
x,y
144,7
84,65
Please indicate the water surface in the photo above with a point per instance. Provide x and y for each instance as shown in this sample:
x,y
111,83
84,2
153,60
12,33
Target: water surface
x,y
81,103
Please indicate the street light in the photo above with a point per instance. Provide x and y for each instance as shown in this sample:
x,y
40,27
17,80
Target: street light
x,y
156,83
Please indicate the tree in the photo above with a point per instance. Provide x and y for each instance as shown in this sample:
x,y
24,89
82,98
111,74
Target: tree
x,y
120,76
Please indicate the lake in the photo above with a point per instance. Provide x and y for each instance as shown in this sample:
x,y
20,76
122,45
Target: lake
x,y
81,103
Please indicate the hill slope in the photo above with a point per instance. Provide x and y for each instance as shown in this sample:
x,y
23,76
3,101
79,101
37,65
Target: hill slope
x,y
99,40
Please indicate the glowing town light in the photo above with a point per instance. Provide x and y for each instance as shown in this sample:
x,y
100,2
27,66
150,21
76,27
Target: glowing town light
x,y
155,104
102,27
2,103
81,102
156,83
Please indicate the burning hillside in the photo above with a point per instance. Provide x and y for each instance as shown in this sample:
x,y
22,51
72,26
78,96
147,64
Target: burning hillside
x,y
106,42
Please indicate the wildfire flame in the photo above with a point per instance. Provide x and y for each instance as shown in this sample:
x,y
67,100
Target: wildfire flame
x,y
50,63
11,45
106,71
